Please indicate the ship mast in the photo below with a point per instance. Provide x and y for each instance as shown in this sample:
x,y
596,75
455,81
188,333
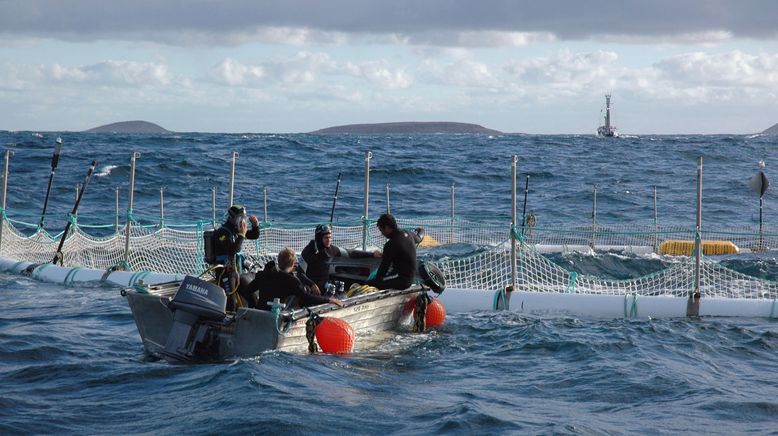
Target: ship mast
x,y
607,113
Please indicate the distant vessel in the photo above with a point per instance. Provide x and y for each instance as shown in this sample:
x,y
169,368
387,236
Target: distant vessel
x,y
608,130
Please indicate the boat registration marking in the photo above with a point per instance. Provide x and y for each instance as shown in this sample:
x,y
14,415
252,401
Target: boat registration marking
x,y
363,307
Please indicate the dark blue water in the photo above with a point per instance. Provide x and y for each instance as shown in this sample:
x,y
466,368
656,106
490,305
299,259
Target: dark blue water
x,y
71,360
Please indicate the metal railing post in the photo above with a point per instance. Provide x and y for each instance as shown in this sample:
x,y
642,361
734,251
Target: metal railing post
x,y
388,208
116,221
656,225
232,176
213,206
128,225
161,207
453,216
594,218
698,230
368,156
514,166
265,203
8,154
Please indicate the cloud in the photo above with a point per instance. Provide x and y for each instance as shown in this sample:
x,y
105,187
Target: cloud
x,y
309,69
730,76
109,73
437,22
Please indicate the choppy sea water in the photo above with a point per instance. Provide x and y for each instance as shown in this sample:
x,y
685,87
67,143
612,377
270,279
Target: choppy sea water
x,y
72,361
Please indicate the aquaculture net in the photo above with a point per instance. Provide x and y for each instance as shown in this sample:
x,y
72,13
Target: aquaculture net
x,y
471,254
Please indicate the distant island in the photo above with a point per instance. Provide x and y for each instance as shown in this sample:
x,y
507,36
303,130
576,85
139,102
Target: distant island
x,y
772,130
408,127
130,127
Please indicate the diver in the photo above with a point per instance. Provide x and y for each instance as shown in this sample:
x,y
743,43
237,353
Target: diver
x,y
321,249
399,253
281,282
228,240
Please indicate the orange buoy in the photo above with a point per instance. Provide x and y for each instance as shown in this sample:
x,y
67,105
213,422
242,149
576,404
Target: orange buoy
x,y
436,313
335,335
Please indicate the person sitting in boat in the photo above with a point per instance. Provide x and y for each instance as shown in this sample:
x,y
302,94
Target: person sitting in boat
x,y
228,240
279,281
399,253
321,249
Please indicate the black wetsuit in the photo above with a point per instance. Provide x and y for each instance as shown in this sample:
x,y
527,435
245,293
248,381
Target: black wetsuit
x,y
229,242
316,257
228,245
400,254
272,283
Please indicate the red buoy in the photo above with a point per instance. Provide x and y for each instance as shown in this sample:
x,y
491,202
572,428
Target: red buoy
x,y
335,335
436,313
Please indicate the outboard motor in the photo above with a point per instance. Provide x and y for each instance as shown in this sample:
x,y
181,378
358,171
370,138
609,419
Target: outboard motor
x,y
432,276
199,306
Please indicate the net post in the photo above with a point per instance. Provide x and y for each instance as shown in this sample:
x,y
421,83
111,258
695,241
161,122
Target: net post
x,y
8,154
234,158
116,216
368,156
698,230
161,207
213,206
388,208
453,217
656,225
514,164
594,218
693,302
128,226
265,202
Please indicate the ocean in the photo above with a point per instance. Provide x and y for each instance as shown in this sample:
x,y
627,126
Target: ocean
x,y
72,361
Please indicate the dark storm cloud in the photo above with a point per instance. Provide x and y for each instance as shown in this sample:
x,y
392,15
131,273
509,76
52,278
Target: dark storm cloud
x,y
235,21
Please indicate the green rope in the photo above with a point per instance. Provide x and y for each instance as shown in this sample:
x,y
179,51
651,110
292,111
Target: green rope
x,y
138,276
571,284
276,311
499,297
70,277
37,270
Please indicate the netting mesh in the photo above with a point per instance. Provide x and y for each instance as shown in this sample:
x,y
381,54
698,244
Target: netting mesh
x,y
485,263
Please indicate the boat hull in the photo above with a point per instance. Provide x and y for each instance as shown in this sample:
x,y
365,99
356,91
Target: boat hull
x,y
249,332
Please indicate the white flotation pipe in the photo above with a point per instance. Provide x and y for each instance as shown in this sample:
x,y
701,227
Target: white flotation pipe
x,y
48,272
630,306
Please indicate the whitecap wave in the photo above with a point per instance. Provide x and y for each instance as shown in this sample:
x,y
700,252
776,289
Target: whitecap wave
x,y
106,170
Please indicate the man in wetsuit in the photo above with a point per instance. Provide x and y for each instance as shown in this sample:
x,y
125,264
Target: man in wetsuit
x,y
227,248
282,283
399,253
320,250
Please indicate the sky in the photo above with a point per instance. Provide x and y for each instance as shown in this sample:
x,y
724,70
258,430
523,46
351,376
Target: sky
x,y
539,67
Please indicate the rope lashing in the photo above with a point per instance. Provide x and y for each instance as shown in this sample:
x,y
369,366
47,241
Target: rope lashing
x,y
310,332
420,312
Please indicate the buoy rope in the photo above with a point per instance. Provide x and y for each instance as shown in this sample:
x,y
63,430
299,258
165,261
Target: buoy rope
x,y
310,330
276,311
71,275
571,284
499,297
420,312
